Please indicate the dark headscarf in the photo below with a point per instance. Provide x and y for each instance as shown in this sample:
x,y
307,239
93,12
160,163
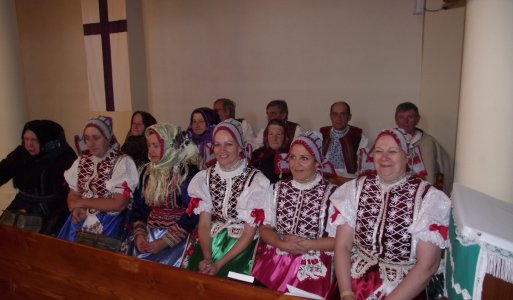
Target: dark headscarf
x,y
211,120
50,134
135,145
147,119
263,158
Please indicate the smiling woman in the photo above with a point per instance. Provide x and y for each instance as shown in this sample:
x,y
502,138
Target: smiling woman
x,y
396,221
229,199
295,248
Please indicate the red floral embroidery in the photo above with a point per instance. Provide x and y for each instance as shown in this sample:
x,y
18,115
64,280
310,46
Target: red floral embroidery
x,y
126,190
259,215
334,215
442,229
192,205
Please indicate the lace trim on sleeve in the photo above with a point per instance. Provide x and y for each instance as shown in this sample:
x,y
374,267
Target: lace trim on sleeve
x,y
343,207
255,197
71,175
124,171
198,188
433,217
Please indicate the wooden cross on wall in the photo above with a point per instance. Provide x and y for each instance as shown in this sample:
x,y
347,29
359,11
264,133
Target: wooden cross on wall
x,y
104,28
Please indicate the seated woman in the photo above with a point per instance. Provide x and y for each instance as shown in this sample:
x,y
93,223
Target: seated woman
x,y
201,126
395,221
229,198
101,182
135,141
158,218
37,170
295,248
275,143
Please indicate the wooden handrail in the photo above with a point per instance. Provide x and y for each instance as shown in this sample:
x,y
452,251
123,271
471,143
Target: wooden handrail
x,y
35,266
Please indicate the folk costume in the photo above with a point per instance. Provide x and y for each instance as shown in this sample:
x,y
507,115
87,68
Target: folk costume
x,y
233,198
388,221
161,198
341,147
204,140
299,209
100,177
39,179
264,158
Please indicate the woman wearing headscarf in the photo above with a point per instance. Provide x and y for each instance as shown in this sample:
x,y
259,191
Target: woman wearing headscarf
x,y
275,143
135,141
160,225
295,248
229,199
391,225
202,123
37,167
101,183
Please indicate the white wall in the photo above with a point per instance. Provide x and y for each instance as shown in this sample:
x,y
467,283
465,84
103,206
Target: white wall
x,y
309,53
374,54
12,113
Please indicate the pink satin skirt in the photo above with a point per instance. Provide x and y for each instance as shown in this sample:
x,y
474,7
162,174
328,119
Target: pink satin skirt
x,y
310,272
364,286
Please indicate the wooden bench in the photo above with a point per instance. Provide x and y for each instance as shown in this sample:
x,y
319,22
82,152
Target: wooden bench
x,y
35,266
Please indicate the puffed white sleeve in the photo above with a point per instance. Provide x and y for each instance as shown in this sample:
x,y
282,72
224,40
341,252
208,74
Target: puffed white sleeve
x,y
253,202
71,175
198,189
343,207
432,221
124,176
270,207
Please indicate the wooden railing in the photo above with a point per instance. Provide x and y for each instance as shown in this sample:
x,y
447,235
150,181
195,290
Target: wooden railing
x,y
35,266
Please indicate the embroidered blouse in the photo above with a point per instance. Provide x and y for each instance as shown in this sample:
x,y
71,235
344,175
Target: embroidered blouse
x,y
231,197
388,222
95,177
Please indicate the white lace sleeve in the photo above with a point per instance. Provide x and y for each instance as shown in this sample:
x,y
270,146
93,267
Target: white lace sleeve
x,y
71,175
343,207
124,171
253,201
433,219
198,188
270,209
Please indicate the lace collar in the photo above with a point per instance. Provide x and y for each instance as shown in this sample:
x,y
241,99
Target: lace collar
x,y
398,182
339,133
308,185
230,174
96,159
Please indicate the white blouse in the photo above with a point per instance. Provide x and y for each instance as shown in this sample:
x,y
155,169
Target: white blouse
x,y
252,198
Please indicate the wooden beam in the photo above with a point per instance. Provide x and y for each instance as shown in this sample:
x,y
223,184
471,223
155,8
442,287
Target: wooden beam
x,y
448,4
35,266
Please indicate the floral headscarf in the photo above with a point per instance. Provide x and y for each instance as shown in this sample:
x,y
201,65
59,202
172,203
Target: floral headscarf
x,y
168,173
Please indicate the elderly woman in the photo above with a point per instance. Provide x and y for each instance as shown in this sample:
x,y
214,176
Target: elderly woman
x,y
394,221
36,168
160,225
202,123
275,143
135,141
296,249
229,200
101,182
